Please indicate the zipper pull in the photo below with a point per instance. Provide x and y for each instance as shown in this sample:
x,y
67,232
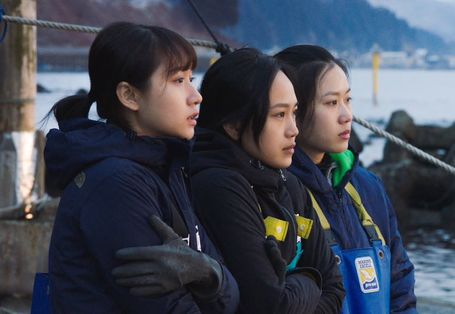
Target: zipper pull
x,y
282,175
183,170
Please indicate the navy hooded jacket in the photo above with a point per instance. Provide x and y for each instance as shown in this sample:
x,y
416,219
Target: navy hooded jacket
x,y
112,182
346,226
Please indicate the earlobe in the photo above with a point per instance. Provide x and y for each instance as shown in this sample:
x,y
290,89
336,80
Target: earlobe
x,y
232,130
128,96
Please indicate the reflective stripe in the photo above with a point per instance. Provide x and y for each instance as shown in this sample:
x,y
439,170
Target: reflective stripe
x,y
304,226
276,227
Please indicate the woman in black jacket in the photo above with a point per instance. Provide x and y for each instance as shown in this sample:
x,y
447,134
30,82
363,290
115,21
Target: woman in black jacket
x,y
271,241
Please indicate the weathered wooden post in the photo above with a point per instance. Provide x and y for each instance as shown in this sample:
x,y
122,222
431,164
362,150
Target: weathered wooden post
x,y
23,244
17,105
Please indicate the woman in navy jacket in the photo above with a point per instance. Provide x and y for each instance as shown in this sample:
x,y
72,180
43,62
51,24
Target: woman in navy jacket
x,y
268,237
352,203
123,185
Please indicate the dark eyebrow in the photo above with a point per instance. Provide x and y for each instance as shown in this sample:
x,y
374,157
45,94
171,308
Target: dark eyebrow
x,y
283,105
335,93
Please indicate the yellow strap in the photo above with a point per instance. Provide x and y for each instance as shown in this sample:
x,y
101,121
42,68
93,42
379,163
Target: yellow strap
x,y
362,212
324,223
276,227
304,226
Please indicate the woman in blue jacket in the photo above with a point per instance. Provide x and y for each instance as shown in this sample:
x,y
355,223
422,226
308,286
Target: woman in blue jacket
x,y
351,202
122,184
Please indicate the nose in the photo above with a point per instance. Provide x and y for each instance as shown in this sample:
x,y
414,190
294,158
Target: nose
x,y
195,98
291,129
345,113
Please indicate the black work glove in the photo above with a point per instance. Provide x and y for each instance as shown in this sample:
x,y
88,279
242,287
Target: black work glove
x,y
159,269
274,255
280,265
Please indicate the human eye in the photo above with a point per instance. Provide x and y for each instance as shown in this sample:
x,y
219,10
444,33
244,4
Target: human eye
x,y
179,79
192,78
279,114
332,102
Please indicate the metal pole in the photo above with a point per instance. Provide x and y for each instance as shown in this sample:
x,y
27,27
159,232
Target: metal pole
x,y
375,61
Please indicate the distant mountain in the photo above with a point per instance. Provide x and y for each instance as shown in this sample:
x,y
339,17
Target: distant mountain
x,y
342,25
173,14
439,17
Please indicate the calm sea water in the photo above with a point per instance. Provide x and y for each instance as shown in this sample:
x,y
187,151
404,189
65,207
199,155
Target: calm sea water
x,y
426,95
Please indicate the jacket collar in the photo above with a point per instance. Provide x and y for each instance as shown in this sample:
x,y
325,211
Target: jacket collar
x,y
215,150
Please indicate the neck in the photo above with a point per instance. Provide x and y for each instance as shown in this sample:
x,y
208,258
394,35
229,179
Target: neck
x,y
316,157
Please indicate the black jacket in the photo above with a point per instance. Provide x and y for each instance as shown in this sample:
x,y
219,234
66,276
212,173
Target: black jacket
x,y
112,183
228,190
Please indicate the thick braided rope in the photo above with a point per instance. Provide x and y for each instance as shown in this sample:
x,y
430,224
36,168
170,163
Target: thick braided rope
x,y
414,150
209,44
86,29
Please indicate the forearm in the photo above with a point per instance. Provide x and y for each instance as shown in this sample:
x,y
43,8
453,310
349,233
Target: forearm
x,y
226,299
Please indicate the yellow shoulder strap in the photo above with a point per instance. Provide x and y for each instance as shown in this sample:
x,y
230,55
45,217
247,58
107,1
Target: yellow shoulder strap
x,y
324,223
361,210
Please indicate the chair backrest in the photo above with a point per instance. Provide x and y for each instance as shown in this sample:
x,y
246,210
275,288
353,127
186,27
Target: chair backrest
x,y
41,303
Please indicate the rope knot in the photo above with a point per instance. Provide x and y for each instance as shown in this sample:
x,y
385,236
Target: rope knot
x,y
223,48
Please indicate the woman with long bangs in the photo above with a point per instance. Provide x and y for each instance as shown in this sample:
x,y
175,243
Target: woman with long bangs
x,y
269,238
122,185
351,202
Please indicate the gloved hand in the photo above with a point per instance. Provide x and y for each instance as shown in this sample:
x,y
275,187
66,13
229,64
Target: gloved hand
x,y
159,269
280,265
274,255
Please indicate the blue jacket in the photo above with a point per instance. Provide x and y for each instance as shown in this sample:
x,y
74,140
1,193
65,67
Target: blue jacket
x,y
347,229
112,182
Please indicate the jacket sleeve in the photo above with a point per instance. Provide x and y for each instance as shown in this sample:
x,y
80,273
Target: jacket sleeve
x,y
321,257
402,298
116,216
227,300
228,210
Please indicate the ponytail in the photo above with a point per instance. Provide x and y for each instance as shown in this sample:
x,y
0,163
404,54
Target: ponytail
x,y
76,106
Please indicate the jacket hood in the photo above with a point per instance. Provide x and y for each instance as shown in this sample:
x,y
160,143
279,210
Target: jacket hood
x,y
310,174
214,150
80,143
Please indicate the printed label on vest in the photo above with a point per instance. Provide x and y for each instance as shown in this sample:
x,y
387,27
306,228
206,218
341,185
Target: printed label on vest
x,y
366,273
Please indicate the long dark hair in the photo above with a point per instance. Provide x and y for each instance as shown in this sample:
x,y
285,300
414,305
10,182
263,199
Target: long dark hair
x,y
235,90
308,63
126,52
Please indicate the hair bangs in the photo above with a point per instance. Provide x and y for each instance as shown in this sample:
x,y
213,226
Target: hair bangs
x,y
179,53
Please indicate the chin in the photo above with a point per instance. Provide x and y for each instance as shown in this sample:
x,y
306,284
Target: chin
x,y
188,136
281,164
338,149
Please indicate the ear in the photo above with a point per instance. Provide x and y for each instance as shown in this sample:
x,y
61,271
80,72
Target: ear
x,y
232,130
128,95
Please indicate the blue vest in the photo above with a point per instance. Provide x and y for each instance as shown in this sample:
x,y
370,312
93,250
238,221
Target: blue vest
x,y
366,271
